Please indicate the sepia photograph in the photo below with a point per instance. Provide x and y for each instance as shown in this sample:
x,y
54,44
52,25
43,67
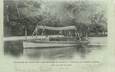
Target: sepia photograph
x,y
51,29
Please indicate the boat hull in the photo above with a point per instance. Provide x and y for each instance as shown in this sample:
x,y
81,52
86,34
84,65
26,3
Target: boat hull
x,y
50,44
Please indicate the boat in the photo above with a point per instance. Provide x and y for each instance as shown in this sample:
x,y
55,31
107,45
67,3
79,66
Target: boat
x,y
51,37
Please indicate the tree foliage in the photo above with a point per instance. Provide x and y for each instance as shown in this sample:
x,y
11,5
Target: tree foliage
x,y
21,15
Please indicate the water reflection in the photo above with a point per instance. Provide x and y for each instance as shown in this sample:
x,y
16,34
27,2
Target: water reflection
x,y
59,53
50,53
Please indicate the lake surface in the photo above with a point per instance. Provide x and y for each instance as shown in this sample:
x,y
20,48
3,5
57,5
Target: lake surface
x,y
15,48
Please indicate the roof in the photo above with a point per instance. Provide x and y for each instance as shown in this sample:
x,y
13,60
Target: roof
x,y
57,28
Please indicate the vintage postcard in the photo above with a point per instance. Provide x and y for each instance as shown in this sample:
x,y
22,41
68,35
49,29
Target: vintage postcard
x,y
58,36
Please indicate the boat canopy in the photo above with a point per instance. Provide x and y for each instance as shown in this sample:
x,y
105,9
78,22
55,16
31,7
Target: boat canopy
x,y
57,28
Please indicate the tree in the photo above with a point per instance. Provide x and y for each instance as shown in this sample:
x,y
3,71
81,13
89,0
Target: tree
x,y
16,21
98,23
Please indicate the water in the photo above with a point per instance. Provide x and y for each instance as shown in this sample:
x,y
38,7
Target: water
x,y
15,48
